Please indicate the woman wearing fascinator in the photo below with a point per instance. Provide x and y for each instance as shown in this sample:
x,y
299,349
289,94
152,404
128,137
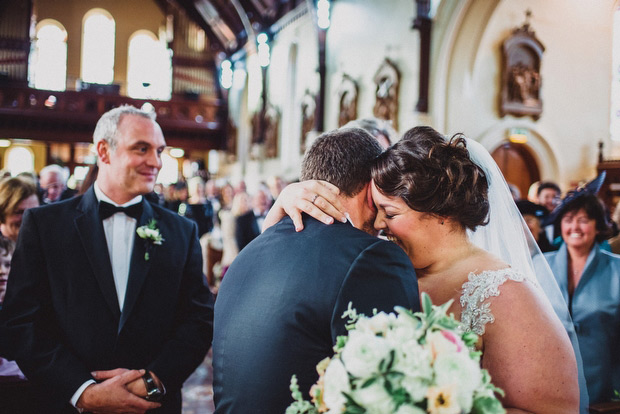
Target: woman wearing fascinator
x,y
447,205
589,278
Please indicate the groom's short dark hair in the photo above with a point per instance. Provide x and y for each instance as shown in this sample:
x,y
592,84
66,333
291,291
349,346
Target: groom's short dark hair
x,y
342,157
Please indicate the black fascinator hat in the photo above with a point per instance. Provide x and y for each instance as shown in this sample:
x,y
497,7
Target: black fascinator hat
x,y
526,207
589,189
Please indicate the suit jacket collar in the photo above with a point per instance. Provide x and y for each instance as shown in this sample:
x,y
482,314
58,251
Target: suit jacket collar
x,y
91,232
90,229
139,266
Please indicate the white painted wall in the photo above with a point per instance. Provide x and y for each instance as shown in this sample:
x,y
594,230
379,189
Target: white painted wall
x,y
576,74
466,59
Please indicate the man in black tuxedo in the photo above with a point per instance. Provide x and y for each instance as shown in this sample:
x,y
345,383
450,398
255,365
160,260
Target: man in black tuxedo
x,y
279,307
97,314
248,225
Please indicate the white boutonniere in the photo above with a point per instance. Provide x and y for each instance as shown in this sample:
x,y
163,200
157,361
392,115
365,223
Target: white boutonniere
x,y
151,236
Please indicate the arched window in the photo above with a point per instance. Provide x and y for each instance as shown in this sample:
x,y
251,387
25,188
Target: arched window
x,y
48,59
149,71
98,35
19,160
615,79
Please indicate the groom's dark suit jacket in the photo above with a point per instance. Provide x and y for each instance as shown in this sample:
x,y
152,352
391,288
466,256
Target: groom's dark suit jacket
x,y
61,318
278,310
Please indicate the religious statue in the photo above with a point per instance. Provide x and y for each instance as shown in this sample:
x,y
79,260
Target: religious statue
x,y
348,100
387,80
308,115
521,80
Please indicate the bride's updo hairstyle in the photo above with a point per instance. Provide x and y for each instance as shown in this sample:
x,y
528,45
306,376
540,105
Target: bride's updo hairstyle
x,y
434,176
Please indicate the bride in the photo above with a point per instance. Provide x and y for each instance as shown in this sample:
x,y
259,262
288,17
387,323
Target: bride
x,y
443,203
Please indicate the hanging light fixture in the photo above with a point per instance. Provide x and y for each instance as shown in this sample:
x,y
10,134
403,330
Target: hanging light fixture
x,y
322,13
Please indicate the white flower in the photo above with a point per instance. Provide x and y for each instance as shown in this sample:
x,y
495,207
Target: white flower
x,y
150,233
374,398
378,324
402,330
389,363
363,353
441,342
336,381
441,401
409,409
414,361
460,371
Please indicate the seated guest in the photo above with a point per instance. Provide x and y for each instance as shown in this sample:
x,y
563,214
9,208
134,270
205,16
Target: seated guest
x,y
53,184
17,194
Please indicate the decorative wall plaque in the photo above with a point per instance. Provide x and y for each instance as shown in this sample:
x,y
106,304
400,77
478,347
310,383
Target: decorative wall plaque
x,y
347,93
231,141
269,126
308,115
387,80
521,81
272,128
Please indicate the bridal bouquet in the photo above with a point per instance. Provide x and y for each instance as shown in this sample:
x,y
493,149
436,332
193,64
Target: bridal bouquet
x,y
403,363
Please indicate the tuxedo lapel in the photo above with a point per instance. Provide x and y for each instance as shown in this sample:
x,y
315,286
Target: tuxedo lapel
x,y
93,239
139,266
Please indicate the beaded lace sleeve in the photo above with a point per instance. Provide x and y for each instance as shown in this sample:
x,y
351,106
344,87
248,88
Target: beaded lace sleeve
x,y
476,313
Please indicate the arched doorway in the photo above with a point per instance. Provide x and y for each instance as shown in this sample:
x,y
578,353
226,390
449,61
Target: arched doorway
x,y
518,165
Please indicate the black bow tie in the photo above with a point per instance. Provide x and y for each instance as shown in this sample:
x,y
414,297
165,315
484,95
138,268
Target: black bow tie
x,y
107,210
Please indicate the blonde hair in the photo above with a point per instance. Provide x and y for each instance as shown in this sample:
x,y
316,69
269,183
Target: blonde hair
x,y
12,192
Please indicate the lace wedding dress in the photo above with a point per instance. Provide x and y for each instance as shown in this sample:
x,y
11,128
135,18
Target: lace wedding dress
x,y
476,310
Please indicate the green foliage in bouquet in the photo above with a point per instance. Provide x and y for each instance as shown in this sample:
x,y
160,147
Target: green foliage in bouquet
x,y
402,363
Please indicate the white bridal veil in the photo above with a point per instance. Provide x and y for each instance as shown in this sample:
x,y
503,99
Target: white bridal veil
x,y
508,237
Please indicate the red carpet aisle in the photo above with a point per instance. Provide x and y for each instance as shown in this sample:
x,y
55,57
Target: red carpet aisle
x,y
198,390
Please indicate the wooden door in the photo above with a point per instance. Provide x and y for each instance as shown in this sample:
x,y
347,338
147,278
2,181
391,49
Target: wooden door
x,y
518,165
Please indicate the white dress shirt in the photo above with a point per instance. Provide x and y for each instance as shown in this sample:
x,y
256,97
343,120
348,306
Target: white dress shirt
x,y
120,231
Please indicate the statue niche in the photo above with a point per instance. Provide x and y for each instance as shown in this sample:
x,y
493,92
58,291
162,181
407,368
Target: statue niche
x,y
265,131
521,81
308,116
231,141
347,93
387,80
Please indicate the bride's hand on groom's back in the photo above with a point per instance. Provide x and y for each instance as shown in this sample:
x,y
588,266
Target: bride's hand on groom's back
x,y
316,198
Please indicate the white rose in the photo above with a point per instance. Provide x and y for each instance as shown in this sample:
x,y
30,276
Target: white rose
x,y
409,409
459,370
335,382
415,362
444,342
377,324
152,233
401,332
416,387
374,398
363,353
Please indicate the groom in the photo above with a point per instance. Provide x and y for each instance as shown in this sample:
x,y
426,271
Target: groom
x,y
279,308
99,316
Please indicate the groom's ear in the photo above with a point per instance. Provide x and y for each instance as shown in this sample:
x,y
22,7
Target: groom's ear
x,y
103,151
371,204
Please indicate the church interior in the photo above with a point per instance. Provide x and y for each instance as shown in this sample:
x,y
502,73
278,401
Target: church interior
x,y
243,86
